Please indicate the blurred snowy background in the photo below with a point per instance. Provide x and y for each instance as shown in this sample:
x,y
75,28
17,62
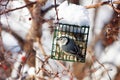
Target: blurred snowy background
x,y
26,33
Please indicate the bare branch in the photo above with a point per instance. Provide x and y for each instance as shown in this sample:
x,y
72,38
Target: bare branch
x,y
88,7
10,10
102,3
56,11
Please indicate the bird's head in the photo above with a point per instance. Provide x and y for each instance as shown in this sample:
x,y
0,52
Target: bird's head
x,y
62,40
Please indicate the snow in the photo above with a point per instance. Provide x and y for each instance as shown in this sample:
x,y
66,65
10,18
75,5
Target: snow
x,y
110,58
21,15
31,71
17,20
106,0
25,68
46,38
111,53
9,42
87,2
32,0
14,73
76,14
106,12
51,3
21,28
112,70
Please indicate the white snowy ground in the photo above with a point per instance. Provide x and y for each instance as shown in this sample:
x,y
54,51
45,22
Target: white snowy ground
x,y
71,14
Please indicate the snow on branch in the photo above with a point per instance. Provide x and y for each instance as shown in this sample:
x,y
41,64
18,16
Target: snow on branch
x,y
110,3
101,3
88,6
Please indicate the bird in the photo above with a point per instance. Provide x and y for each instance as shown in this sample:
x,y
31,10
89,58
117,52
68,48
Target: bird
x,y
69,46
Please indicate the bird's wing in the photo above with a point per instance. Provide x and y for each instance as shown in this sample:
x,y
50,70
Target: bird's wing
x,y
74,51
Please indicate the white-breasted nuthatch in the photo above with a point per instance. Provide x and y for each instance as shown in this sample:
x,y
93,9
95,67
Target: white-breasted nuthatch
x,y
69,46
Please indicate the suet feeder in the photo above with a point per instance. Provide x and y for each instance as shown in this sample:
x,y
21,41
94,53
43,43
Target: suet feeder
x,y
78,33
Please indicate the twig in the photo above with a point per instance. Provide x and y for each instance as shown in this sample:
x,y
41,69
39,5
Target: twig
x,y
58,62
88,7
41,48
95,59
106,70
56,11
65,68
43,63
5,3
9,10
101,3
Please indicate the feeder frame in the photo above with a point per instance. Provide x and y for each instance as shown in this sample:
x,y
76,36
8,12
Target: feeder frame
x,y
78,33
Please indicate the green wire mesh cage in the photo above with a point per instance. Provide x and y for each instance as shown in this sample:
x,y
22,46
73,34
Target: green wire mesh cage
x,y
78,33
